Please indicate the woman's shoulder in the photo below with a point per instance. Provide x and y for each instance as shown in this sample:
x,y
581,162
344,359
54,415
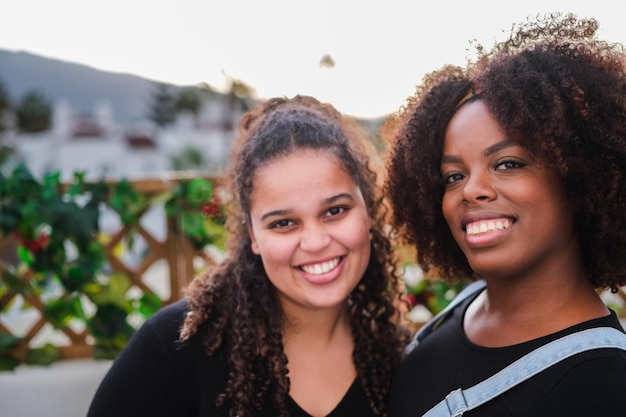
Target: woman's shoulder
x,y
611,320
592,382
166,322
173,312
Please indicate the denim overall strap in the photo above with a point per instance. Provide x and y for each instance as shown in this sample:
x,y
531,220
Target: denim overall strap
x,y
433,323
460,401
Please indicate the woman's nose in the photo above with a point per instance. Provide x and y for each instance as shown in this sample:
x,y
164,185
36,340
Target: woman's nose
x,y
314,238
479,187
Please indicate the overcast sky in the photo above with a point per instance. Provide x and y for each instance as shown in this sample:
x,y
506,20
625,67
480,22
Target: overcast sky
x,y
381,48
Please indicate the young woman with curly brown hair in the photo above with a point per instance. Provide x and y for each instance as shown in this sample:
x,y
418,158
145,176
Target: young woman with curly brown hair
x,y
512,170
299,320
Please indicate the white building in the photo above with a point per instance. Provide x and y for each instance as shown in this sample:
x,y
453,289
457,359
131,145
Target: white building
x,y
94,143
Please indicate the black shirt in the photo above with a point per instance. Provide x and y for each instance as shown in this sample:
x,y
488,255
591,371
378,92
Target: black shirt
x,y
158,377
588,384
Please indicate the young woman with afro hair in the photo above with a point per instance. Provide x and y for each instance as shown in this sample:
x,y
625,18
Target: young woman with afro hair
x,y
512,170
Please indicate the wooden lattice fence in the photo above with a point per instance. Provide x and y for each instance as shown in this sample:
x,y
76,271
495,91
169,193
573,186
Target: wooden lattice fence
x,y
166,253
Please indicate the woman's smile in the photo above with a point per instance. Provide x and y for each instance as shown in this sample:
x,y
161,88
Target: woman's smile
x,y
319,268
483,227
322,272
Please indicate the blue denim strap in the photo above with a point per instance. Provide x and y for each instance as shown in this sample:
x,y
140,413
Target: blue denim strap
x,y
459,401
432,324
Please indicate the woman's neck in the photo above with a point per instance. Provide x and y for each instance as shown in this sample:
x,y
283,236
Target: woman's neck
x,y
513,311
319,346
315,326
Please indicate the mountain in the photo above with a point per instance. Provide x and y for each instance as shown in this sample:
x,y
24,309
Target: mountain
x,y
82,86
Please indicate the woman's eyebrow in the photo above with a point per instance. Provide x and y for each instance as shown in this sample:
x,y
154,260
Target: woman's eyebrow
x,y
450,159
499,146
340,196
275,213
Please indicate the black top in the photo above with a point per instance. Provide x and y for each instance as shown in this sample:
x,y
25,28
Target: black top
x,y
157,376
588,384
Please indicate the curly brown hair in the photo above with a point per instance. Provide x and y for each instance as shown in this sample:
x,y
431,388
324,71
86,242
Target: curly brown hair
x,y
234,306
552,86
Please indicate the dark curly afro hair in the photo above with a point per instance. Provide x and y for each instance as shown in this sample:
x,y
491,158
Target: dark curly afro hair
x,y
557,89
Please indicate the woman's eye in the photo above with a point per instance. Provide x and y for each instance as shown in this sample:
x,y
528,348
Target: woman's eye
x,y
335,211
452,178
281,223
509,164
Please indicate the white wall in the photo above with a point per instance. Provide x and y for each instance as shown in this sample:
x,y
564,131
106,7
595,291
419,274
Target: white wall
x,y
63,389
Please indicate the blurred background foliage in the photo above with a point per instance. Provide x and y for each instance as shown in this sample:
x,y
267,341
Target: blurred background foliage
x,y
61,257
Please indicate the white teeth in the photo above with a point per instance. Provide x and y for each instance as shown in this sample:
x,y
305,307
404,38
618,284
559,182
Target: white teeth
x,y
321,268
487,226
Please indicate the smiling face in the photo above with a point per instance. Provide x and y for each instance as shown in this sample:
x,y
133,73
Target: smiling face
x,y
507,211
310,225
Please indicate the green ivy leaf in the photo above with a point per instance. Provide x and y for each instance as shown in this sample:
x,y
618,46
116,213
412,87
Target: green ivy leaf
x,y
76,275
128,203
199,192
8,363
105,352
216,233
12,282
61,311
8,341
9,218
25,255
44,355
149,304
51,184
109,326
192,224
77,185
111,293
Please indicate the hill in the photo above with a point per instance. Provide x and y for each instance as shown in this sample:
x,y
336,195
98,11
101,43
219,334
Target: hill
x,y
82,86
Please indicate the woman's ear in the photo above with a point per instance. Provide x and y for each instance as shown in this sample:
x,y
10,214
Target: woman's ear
x,y
253,246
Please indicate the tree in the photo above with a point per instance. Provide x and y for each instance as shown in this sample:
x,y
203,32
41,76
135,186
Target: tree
x,y
34,112
189,158
6,155
241,95
5,104
188,99
163,106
